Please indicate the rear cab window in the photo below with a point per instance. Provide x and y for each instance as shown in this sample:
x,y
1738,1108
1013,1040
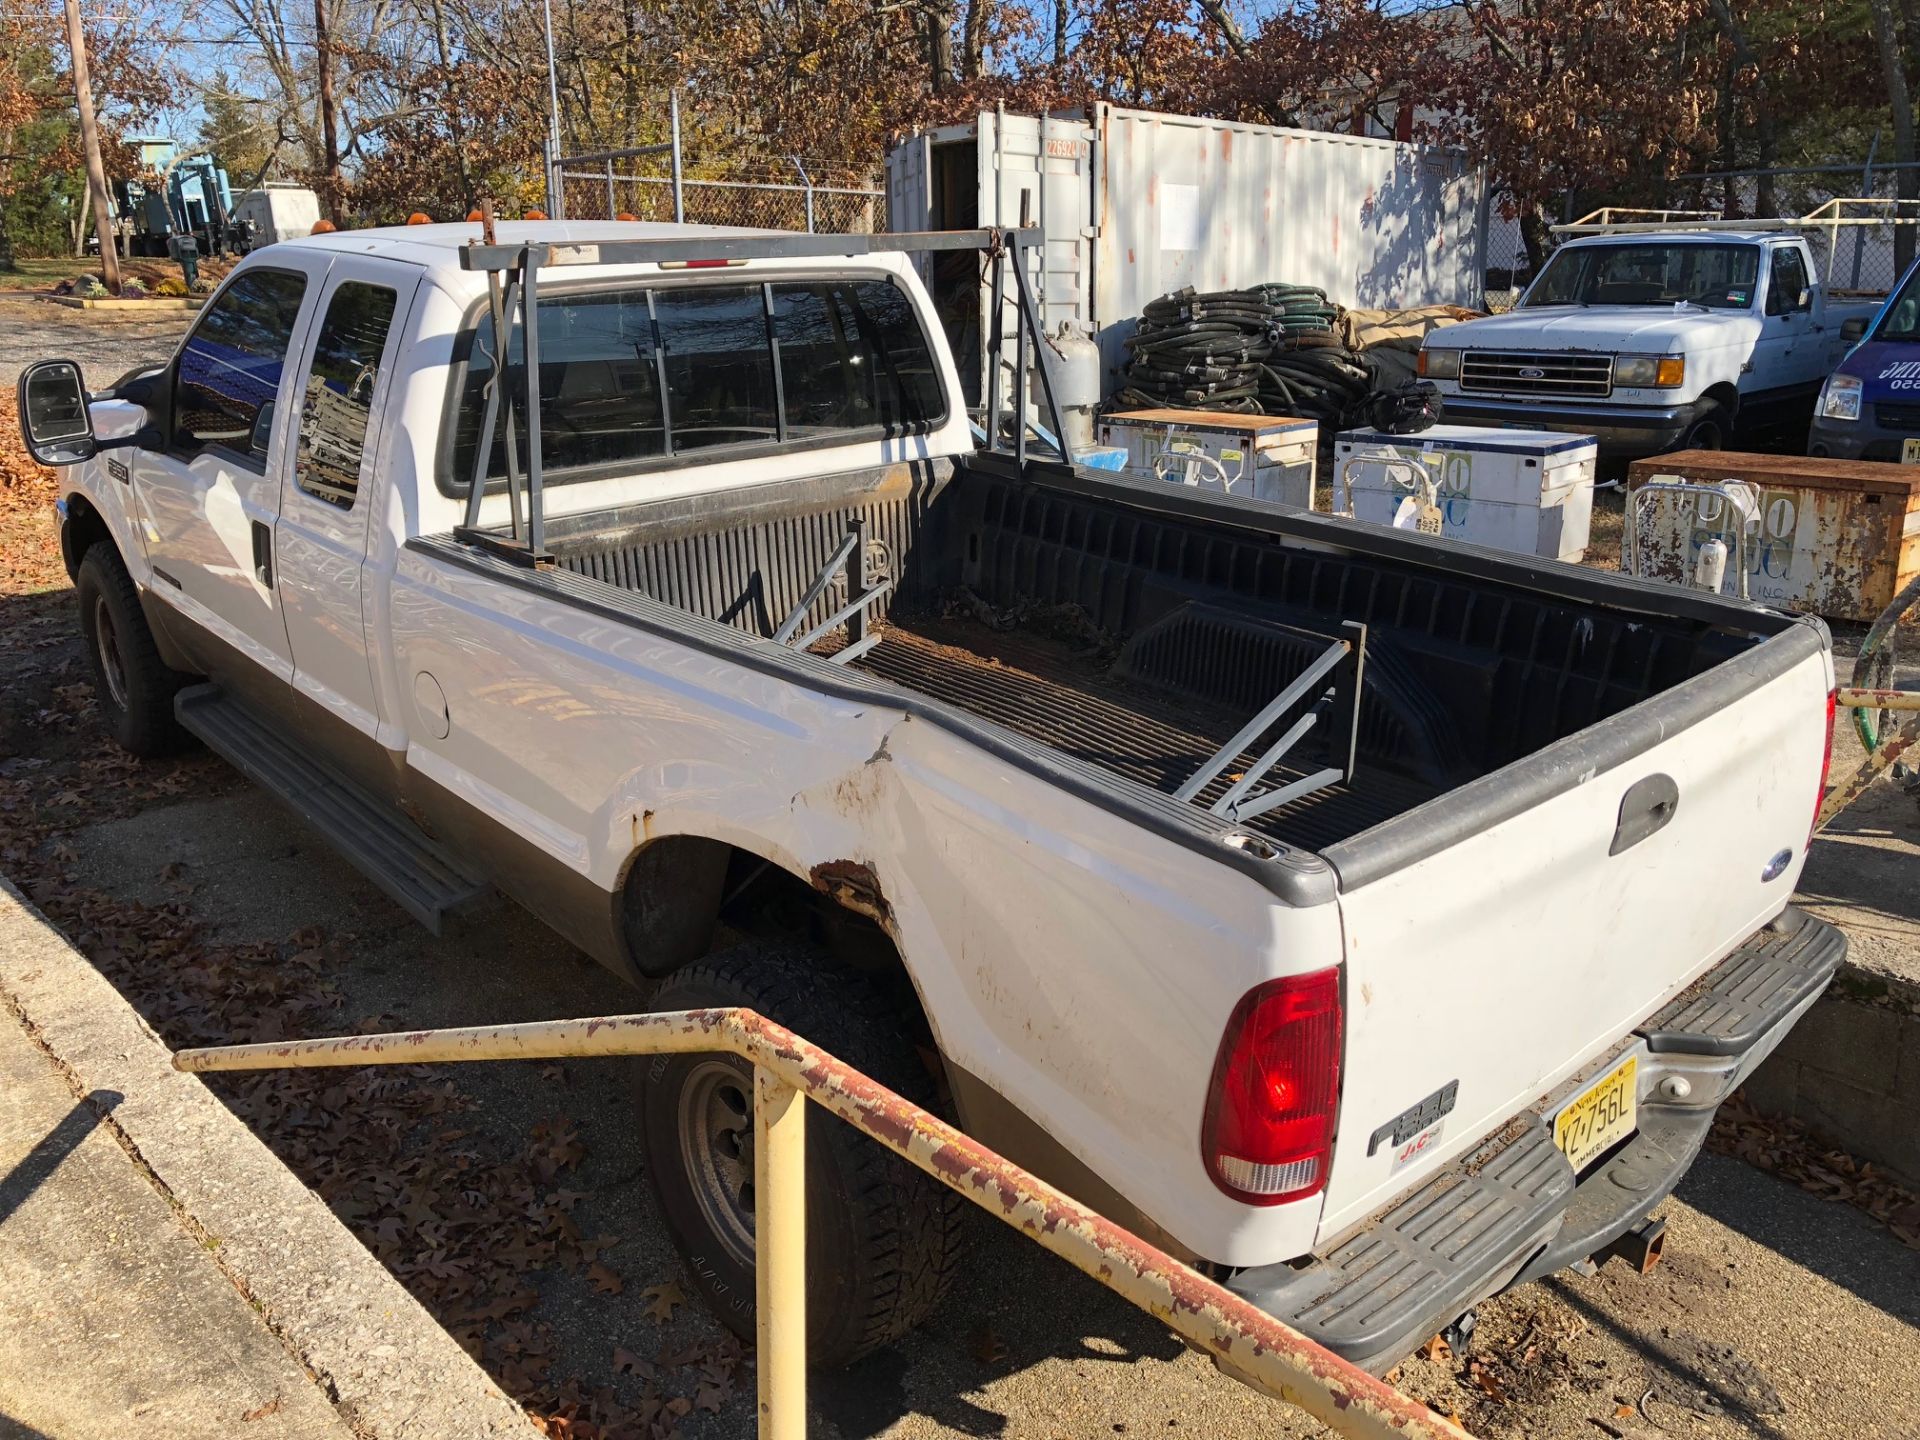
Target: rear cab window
x,y
639,375
338,400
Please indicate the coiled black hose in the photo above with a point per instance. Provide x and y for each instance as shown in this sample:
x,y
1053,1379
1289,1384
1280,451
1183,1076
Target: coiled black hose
x,y
1267,350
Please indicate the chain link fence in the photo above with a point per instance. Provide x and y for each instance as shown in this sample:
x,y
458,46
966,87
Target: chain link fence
x,y
1861,233
756,197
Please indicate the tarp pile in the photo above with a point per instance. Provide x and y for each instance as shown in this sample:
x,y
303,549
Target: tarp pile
x,y
1268,350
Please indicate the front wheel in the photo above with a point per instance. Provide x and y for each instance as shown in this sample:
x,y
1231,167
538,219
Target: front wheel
x,y
883,1239
1708,432
133,684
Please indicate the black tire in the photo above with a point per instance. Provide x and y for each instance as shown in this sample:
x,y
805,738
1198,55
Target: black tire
x,y
883,1240
133,685
1709,431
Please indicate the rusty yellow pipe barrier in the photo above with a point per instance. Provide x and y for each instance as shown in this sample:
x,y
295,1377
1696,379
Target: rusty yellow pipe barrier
x,y
1892,748
1246,1342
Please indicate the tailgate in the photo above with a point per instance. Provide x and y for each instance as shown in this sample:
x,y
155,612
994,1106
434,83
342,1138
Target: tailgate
x,y
1494,945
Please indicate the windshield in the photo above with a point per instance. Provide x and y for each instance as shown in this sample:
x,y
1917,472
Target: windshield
x,y
1901,320
1650,272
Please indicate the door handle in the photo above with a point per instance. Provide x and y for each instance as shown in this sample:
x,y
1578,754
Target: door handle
x,y
1646,807
263,553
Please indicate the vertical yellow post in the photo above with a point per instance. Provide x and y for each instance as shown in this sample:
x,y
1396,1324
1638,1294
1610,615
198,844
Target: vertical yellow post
x,y
780,1254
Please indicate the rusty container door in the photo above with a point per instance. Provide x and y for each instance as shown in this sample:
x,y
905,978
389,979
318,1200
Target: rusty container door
x,y
1835,537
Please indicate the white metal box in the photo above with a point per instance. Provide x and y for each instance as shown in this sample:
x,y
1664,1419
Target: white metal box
x,y
1529,491
1264,457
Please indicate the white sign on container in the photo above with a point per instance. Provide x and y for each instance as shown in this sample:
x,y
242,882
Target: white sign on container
x,y
1179,217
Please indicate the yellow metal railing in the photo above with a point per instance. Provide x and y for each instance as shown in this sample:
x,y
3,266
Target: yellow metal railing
x,y
1246,1342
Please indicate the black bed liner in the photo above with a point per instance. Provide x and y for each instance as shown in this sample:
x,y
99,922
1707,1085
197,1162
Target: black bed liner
x,y
1072,702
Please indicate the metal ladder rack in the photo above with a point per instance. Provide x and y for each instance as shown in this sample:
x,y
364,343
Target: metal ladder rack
x,y
1328,689
852,555
514,270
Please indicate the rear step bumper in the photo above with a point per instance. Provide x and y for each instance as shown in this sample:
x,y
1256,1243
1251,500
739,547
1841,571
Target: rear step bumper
x,y
1512,1210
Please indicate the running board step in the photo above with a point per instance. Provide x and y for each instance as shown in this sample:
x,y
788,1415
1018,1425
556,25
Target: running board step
x,y
421,876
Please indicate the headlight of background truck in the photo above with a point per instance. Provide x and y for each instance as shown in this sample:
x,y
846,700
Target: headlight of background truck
x,y
1438,365
1661,371
1841,399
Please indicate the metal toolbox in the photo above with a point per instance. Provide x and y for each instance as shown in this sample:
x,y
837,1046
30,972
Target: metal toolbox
x,y
1262,457
1832,537
1529,491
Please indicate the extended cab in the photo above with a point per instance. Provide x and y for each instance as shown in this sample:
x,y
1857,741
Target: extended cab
x,y
1651,342
1374,920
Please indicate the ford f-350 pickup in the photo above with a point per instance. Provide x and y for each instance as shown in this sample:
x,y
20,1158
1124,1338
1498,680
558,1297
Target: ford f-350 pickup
x,y
1375,920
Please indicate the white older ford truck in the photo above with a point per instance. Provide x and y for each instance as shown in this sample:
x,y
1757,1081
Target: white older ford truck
x,y
1376,921
1675,340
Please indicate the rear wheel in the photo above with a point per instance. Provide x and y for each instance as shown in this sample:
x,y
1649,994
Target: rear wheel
x,y
883,1239
133,684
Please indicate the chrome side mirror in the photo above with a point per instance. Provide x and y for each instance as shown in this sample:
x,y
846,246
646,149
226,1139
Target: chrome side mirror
x,y
53,413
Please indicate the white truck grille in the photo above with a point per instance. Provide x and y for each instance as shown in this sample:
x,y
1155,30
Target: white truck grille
x,y
1527,373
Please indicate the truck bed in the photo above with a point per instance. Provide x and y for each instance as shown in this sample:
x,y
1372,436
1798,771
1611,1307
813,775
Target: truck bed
x,y
1066,698
1119,625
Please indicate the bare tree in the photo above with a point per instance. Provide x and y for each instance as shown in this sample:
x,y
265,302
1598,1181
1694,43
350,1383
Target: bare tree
x,y
1891,40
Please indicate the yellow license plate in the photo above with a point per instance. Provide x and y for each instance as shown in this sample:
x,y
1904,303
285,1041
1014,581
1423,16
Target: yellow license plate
x,y
1599,1118
1910,451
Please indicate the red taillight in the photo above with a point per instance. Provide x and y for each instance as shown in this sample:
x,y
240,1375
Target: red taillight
x,y
1269,1124
1826,764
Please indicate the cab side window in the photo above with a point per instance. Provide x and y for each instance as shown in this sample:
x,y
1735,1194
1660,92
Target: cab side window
x,y
229,369
338,400
1788,280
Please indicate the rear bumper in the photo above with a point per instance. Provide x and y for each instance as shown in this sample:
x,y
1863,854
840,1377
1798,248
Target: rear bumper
x,y
1623,430
1513,1210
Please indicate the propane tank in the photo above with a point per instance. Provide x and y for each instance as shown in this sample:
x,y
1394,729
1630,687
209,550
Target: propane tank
x,y
1076,381
1710,570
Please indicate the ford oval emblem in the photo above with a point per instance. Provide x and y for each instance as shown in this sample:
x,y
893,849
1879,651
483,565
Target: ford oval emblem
x,y
1533,372
1777,866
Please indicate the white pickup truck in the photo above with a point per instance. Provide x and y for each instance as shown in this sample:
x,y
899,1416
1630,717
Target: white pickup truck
x,y
1373,920
1653,342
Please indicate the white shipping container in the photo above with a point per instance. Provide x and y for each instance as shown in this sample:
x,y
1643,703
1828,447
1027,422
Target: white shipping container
x,y
1136,204
1529,491
1264,457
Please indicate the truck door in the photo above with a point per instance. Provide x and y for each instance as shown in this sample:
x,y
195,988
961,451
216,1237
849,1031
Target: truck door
x,y
329,496
1786,356
209,496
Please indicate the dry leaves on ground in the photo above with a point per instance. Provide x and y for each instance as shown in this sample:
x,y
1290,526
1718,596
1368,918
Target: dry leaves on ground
x,y
1786,1148
474,1227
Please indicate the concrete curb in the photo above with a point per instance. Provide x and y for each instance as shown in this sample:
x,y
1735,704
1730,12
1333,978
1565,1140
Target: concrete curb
x,y
1850,1071
157,302
390,1371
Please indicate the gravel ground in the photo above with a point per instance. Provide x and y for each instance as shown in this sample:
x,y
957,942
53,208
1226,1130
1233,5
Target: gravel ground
x,y
1774,1313
107,343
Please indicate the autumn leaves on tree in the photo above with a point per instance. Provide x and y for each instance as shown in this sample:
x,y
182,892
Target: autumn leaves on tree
x,y
392,106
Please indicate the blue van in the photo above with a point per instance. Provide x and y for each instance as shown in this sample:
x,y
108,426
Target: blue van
x,y
1870,406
